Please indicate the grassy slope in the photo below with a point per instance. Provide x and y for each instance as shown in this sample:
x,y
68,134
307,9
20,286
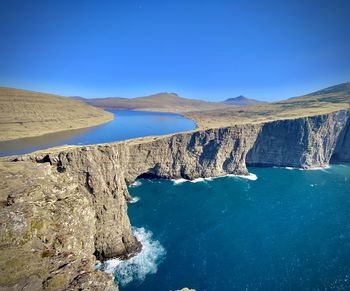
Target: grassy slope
x,y
324,101
165,102
27,113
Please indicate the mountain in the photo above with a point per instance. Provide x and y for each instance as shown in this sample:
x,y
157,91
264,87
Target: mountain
x,y
324,101
333,94
165,102
26,113
242,101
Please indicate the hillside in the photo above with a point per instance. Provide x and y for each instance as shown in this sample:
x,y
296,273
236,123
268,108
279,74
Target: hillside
x,y
164,102
26,113
242,101
320,102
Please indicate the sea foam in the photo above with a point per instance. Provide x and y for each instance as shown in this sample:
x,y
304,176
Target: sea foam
x,y
137,183
304,169
318,168
134,199
139,266
250,176
201,180
179,181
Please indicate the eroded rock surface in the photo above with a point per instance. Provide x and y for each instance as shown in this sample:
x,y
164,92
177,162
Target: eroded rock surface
x,y
63,208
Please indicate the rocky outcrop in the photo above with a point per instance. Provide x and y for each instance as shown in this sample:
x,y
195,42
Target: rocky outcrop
x,y
63,208
47,230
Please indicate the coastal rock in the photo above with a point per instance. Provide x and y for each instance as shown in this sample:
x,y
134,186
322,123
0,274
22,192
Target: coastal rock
x,y
62,208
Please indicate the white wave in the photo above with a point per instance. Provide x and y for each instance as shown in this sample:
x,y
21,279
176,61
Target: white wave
x,y
137,183
315,168
179,181
250,176
139,266
201,180
320,168
197,180
134,199
304,169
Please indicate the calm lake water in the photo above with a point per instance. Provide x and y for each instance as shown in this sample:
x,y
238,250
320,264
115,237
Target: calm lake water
x,y
126,125
287,230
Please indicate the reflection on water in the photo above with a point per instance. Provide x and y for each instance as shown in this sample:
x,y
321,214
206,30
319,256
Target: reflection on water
x,y
50,139
126,125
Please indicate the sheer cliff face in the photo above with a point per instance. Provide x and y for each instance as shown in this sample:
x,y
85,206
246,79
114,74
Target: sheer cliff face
x,y
342,150
213,152
99,170
301,143
60,208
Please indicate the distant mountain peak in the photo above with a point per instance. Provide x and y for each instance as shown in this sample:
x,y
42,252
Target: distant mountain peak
x,y
242,101
240,97
161,94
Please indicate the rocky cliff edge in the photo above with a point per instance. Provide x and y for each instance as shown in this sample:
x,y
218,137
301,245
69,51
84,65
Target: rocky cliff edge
x,y
63,208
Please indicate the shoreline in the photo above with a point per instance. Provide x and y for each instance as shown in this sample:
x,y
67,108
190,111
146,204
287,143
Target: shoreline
x,y
57,131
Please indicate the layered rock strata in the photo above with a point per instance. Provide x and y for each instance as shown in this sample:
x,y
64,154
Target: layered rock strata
x,y
63,208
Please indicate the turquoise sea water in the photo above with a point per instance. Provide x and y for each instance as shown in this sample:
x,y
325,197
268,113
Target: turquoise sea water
x,y
126,125
287,230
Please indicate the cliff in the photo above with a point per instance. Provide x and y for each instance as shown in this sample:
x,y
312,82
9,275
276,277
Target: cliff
x,y
301,143
63,208
342,150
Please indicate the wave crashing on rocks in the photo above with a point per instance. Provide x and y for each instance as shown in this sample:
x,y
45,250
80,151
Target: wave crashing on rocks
x,y
139,266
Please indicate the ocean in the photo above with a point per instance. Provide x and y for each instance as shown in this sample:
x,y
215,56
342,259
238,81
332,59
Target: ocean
x,y
288,229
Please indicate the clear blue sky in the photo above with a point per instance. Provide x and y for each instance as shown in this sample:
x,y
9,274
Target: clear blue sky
x,y
200,49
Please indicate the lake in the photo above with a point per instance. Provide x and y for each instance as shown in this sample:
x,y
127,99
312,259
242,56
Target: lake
x,y
126,125
287,230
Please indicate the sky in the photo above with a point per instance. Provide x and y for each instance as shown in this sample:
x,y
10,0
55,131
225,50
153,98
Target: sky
x,y
211,50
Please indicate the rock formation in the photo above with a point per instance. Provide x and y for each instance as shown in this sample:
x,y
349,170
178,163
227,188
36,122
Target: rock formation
x,y
63,208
